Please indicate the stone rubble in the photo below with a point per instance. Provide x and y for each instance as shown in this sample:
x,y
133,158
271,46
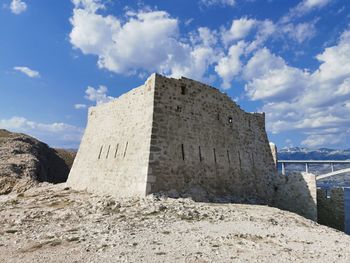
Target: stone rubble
x,y
52,223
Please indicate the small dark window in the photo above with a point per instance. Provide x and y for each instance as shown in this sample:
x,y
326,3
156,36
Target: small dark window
x,y
109,147
183,152
228,156
214,155
126,147
99,155
240,161
183,89
230,119
178,108
200,153
116,151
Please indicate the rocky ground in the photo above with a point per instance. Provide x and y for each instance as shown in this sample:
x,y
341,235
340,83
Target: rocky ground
x,y
51,223
24,161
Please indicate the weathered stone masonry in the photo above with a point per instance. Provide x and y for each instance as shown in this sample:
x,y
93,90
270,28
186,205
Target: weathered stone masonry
x,y
200,137
174,134
114,152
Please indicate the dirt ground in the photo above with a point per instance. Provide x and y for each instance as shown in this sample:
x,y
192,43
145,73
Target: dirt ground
x,y
51,223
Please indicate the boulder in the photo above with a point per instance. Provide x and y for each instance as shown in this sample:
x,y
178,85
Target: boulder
x,y
25,160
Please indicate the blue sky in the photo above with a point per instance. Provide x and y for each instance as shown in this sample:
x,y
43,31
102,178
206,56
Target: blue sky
x,y
290,59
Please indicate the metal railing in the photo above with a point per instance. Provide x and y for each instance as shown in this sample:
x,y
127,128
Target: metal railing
x,y
307,162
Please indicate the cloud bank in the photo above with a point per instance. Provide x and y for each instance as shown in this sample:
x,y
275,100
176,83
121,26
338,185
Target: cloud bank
x,y
314,103
55,134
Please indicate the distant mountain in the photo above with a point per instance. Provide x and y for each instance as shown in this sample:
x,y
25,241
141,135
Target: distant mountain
x,y
299,153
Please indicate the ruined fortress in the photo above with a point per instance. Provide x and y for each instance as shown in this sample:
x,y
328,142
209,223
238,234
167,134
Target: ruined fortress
x,y
174,134
179,135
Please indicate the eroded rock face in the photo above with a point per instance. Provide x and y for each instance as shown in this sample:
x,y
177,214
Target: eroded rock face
x,y
25,160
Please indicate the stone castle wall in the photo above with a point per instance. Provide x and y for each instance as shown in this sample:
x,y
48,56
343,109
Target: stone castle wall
x,y
181,135
200,137
296,193
330,207
114,152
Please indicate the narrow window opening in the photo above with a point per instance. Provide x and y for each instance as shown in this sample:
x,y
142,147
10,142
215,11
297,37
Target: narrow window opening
x,y
99,155
178,108
116,151
183,89
228,156
200,154
183,152
230,119
126,147
218,116
240,161
109,147
214,155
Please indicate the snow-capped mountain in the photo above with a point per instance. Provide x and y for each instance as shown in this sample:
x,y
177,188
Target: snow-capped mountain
x,y
298,153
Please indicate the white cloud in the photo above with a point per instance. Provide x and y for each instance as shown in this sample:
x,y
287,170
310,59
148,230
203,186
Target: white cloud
x,y
300,32
277,84
307,5
80,106
146,41
92,33
293,99
261,63
150,41
265,29
269,77
240,28
303,8
207,37
55,134
229,66
18,6
255,33
314,103
97,95
319,140
218,2
260,31
27,71
335,61
195,65
343,88
89,5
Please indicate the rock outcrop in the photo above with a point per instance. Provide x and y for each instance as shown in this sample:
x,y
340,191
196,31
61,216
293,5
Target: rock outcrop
x,y
24,161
